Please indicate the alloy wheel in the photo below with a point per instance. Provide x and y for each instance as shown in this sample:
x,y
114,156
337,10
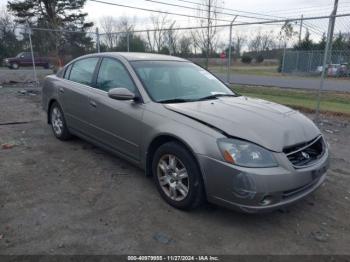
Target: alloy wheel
x,y
57,121
173,178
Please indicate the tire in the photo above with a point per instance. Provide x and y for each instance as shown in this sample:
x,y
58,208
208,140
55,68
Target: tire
x,y
46,66
168,182
58,122
14,66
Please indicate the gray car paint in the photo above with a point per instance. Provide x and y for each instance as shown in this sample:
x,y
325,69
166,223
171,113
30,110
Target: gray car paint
x,y
127,128
278,126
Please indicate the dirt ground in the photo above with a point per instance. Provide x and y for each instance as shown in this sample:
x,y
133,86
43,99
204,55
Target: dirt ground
x,y
22,75
73,198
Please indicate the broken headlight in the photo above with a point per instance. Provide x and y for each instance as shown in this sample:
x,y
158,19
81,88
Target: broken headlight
x,y
246,154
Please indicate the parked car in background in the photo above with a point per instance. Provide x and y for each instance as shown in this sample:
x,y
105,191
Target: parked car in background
x,y
344,70
336,70
25,59
182,125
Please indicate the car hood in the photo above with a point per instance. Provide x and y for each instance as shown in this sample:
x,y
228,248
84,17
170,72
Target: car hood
x,y
268,124
9,59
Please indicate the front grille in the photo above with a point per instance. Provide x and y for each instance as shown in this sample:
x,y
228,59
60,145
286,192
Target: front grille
x,y
305,154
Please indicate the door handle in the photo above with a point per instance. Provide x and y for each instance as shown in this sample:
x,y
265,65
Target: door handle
x,y
93,103
61,90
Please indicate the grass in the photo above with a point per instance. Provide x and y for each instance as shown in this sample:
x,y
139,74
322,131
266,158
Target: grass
x,y
337,103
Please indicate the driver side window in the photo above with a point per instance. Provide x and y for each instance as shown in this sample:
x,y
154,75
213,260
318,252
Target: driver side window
x,y
112,74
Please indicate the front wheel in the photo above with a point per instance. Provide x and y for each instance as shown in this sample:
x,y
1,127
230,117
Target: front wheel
x,y
177,176
14,66
58,123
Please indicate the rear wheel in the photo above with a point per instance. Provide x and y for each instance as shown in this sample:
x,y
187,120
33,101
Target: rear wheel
x,y
58,123
177,176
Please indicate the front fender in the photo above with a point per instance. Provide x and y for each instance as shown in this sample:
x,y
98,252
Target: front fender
x,y
197,137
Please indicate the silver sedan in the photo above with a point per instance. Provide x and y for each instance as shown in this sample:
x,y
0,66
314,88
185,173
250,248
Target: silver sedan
x,y
198,139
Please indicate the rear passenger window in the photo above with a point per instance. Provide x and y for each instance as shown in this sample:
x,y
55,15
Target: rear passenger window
x,y
83,70
113,74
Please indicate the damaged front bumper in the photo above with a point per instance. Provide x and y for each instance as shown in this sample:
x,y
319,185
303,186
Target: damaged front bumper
x,y
260,189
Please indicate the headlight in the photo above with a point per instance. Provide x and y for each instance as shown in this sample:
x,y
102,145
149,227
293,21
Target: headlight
x,y
243,153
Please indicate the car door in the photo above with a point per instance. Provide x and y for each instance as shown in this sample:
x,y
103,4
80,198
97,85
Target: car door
x,y
116,123
74,93
26,59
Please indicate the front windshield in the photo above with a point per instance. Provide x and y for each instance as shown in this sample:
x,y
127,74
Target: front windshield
x,y
181,81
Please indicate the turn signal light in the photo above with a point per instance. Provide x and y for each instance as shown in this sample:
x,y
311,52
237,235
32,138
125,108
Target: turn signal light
x,y
228,157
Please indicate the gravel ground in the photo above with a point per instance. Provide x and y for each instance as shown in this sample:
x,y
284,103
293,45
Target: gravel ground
x,y
73,198
22,75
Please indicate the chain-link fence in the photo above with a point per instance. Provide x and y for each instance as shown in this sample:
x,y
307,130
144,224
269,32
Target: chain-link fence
x,y
41,50
306,56
242,53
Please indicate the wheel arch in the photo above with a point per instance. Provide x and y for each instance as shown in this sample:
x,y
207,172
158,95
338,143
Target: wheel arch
x,y
165,138
160,140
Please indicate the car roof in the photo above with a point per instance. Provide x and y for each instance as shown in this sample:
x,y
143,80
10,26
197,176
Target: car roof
x,y
134,56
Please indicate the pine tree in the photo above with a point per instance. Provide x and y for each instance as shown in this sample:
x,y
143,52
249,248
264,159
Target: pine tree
x,y
57,15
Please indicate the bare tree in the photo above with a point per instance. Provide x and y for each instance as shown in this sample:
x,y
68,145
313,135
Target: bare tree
x,y
262,41
206,39
114,28
157,37
238,42
125,24
185,43
109,26
286,34
149,41
171,37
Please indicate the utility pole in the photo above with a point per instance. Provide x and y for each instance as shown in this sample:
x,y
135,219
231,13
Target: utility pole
x,y
128,41
208,35
301,28
326,56
97,40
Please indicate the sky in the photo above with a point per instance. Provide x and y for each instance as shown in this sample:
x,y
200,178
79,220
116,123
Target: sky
x,y
289,8
283,8
275,9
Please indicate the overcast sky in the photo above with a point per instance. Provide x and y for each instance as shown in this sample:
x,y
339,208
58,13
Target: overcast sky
x,y
290,8
273,8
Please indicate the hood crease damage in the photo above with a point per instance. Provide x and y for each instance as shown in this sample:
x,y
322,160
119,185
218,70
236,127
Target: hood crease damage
x,y
265,123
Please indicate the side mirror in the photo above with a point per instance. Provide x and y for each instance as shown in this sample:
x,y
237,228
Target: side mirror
x,y
121,93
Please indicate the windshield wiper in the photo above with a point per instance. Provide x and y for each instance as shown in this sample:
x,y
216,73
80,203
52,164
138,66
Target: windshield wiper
x,y
214,96
175,100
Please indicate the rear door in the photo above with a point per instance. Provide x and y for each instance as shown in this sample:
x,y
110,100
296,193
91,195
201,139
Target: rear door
x,y
26,59
116,123
74,93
